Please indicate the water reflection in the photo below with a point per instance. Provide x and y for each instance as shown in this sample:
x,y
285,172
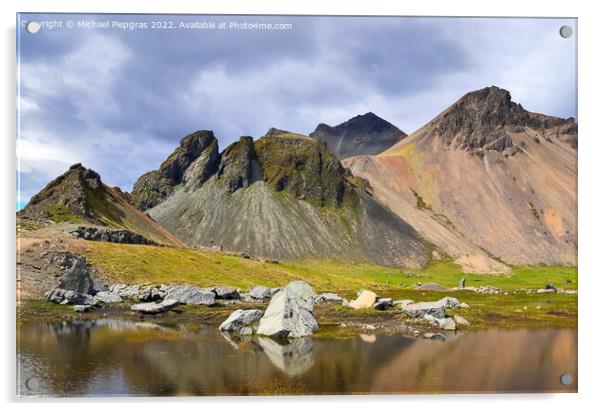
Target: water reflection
x,y
110,357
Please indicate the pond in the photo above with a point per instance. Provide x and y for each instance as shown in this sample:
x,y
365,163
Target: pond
x,y
118,358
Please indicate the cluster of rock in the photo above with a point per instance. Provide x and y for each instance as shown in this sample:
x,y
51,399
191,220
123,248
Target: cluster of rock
x,y
289,315
433,312
110,235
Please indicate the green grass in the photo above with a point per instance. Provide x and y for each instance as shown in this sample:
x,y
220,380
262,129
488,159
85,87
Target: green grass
x,y
59,213
149,264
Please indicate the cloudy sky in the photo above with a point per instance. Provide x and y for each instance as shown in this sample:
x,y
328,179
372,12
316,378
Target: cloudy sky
x,y
119,100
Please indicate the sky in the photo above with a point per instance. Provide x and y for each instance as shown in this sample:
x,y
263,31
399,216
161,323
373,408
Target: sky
x,y
118,99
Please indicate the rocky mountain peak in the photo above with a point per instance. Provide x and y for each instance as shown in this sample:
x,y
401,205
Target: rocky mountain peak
x,y
485,119
365,134
66,197
304,168
155,186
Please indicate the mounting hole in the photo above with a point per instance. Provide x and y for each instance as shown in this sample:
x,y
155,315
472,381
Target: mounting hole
x,y
566,379
32,27
566,32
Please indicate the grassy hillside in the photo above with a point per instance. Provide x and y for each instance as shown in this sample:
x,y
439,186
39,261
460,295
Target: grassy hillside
x,y
148,264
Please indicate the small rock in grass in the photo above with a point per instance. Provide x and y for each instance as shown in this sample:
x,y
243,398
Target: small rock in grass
x,y
81,308
383,304
365,299
461,321
447,323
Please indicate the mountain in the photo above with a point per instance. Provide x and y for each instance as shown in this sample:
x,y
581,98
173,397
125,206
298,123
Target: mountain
x,y
284,196
365,134
487,181
79,196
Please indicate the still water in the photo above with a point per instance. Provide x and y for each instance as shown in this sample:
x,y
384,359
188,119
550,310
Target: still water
x,y
116,357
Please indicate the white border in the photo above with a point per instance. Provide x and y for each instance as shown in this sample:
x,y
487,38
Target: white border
x,y
590,198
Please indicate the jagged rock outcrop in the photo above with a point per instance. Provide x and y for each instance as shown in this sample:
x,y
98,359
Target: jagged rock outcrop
x,y
239,167
484,119
302,167
366,134
155,186
109,235
286,196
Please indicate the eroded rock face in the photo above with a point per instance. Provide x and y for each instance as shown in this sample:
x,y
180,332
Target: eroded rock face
x,y
303,167
290,313
240,319
110,235
202,168
239,166
155,186
483,119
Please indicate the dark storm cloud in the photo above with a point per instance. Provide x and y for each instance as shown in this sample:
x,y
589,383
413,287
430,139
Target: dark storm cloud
x,y
119,100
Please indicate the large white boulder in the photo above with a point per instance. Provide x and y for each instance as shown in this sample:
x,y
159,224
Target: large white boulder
x,y
290,313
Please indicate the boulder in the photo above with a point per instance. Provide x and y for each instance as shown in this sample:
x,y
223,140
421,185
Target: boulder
x,y
151,294
126,291
464,306
226,293
186,294
108,297
327,297
545,291
446,323
290,313
81,308
383,304
240,319
461,321
62,296
402,303
155,307
435,308
78,278
365,299
259,292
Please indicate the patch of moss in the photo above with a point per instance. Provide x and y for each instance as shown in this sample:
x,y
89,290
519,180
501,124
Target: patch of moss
x,y
59,213
420,203
534,210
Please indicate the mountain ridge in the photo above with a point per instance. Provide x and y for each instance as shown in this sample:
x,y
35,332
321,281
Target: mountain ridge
x,y
487,181
363,134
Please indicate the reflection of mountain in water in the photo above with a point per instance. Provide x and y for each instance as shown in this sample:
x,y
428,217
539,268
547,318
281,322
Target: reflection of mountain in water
x,y
120,357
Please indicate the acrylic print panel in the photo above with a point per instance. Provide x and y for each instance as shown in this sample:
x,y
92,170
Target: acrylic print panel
x,y
259,205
